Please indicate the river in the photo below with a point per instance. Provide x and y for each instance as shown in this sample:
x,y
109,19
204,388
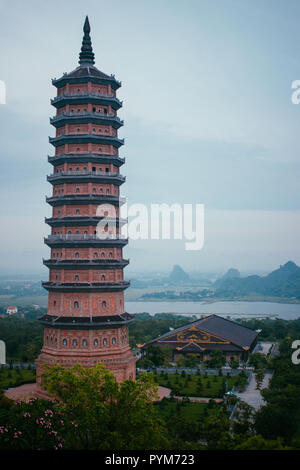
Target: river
x,y
236,309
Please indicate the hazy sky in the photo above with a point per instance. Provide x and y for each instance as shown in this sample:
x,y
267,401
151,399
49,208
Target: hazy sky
x,y
206,89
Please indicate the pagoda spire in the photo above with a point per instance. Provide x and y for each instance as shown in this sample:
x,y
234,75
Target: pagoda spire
x,y
86,55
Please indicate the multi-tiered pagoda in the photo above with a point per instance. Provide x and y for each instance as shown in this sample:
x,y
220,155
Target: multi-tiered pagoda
x,y
86,320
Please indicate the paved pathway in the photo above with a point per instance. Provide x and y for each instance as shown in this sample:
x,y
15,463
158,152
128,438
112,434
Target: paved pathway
x,y
22,393
28,391
251,395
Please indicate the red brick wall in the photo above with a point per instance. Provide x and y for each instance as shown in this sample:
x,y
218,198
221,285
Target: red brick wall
x,y
63,303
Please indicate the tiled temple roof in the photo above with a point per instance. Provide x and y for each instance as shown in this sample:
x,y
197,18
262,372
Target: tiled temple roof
x,y
221,327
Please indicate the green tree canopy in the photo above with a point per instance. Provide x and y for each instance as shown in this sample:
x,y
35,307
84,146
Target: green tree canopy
x,y
108,414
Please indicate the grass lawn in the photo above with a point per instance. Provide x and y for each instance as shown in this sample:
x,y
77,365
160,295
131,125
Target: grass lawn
x,y
13,377
168,408
212,386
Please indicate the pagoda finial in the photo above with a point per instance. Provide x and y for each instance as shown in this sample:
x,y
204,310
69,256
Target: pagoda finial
x,y
86,55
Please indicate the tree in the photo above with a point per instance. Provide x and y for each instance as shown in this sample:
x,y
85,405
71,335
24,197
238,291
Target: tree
x,y
259,443
243,419
192,360
180,361
144,363
258,361
272,422
216,430
167,353
234,364
156,355
259,378
108,415
217,359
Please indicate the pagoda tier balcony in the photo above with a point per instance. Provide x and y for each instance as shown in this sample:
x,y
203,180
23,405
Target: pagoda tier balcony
x,y
91,322
76,263
86,158
85,118
86,138
85,199
84,75
75,221
86,98
85,286
86,176
85,241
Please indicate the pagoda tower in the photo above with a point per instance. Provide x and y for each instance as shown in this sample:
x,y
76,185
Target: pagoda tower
x,y
86,321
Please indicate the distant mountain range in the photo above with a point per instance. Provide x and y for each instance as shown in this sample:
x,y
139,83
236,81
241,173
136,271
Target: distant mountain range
x,y
283,282
178,274
232,273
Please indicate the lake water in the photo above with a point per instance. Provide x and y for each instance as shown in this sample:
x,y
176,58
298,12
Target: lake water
x,y
234,309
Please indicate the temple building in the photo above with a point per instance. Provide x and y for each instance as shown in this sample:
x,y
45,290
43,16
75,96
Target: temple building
x,y
212,333
86,321
12,310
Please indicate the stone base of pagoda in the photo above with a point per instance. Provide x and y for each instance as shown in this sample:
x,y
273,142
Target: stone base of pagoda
x,y
121,365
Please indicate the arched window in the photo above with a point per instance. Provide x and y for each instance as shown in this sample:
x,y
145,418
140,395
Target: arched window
x,y
84,342
65,342
77,190
104,341
77,255
102,254
110,255
113,341
103,304
77,211
76,304
75,343
102,277
76,277
95,255
96,342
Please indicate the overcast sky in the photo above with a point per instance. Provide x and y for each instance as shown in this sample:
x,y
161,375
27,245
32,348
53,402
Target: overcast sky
x,y
206,90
